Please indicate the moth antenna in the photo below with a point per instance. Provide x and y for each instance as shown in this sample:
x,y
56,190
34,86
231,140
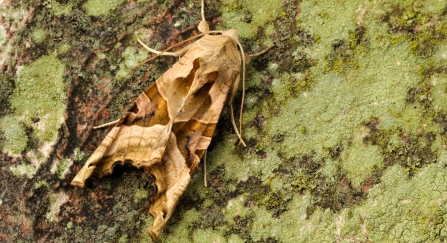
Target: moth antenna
x,y
167,49
203,10
243,93
155,51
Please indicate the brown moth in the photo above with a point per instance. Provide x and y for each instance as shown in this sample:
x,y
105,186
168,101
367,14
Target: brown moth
x,y
170,126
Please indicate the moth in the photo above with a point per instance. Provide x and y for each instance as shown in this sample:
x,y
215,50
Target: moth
x,y
170,126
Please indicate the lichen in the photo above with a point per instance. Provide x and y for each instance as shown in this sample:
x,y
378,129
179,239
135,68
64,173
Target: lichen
x,y
131,57
2,35
344,120
38,102
97,7
248,18
60,167
60,8
39,35
56,201
23,169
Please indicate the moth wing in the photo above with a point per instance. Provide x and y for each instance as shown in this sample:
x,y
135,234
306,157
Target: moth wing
x,y
133,139
173,176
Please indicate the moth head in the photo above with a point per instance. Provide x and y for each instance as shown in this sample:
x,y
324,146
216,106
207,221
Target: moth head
x,y
232,34
203,27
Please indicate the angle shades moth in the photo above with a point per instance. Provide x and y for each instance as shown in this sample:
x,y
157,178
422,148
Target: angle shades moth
x,y
170,126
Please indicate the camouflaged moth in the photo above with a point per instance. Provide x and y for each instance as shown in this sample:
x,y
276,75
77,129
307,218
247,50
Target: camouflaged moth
x,y
171,124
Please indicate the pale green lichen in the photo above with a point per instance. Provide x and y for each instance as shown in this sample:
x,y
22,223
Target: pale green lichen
x,y
360,162
235,207
69,225
123,239
412,205
203,235
182,231
39,35
79,155
248,17
132,56
56,201
2,35
23,169
38,103
329,21
98,7
61,9
60,167
40,184
140,194
15,135
63,49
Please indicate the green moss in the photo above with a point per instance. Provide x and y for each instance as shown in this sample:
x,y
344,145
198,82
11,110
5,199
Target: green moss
x,y
416,22
213,218
98,7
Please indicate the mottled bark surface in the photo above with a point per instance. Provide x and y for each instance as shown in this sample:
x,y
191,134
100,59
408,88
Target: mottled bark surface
x,y
345,121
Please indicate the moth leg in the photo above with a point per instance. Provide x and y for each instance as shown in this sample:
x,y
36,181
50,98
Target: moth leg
x,y
160,53
262,52
204,168
112,123
233,121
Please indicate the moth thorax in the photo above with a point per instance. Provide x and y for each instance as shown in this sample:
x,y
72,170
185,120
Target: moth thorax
x,y
232,34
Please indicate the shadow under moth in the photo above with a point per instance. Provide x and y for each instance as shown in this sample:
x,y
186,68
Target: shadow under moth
x,y
171,124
